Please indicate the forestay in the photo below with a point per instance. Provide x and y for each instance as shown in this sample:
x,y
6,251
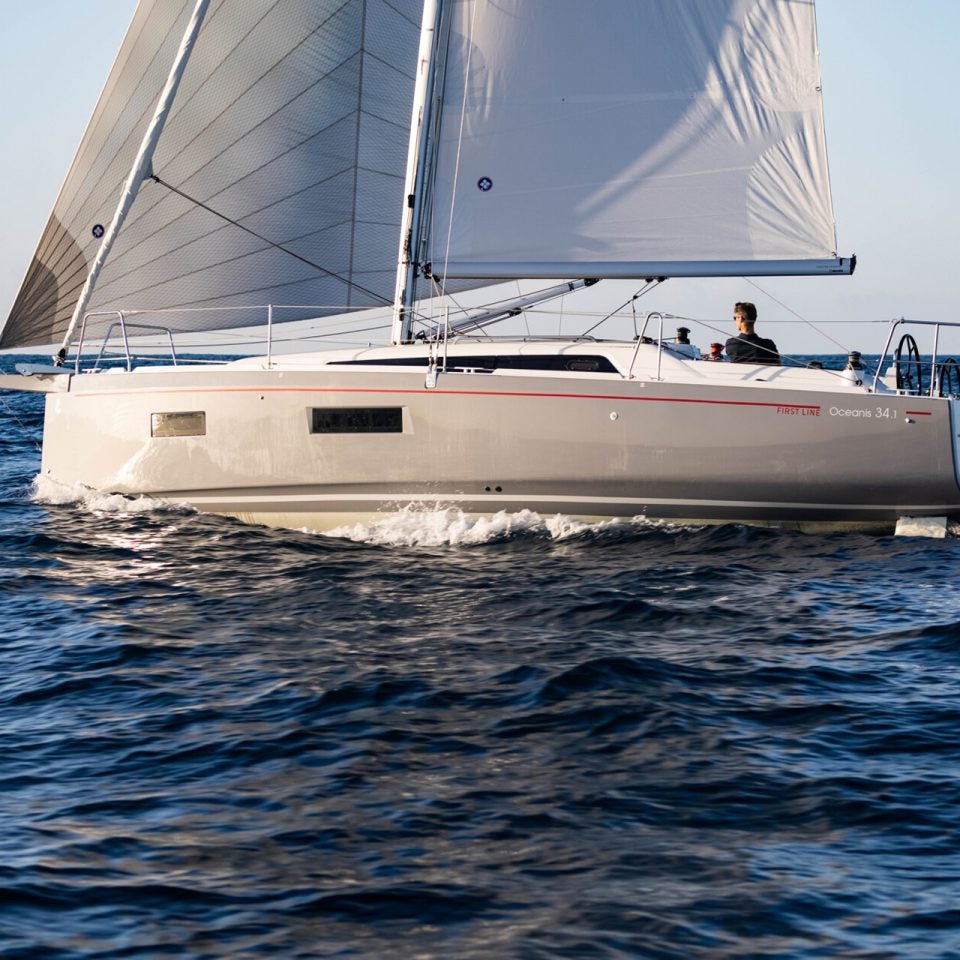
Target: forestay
x,y
632,138
291,120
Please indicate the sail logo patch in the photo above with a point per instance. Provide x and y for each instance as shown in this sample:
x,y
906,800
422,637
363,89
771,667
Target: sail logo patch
x,y
98,230
484,184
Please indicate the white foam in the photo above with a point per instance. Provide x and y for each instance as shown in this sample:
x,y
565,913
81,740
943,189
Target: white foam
x,y
415,526
47,490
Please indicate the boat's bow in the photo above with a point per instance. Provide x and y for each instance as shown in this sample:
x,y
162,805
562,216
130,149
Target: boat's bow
x,y
36,378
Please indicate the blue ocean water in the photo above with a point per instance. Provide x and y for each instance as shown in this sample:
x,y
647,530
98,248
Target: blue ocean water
x,y
440,739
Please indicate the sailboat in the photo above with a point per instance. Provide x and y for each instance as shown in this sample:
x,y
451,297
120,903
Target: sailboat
x,y
264,162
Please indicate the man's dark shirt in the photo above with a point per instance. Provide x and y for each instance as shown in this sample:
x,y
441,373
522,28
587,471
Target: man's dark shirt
x,y
752,348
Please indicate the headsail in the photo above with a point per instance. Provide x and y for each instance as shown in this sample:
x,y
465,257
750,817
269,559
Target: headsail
x,y
632,138
291,122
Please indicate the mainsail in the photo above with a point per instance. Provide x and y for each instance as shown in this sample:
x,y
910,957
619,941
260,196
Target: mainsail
x,y
631,138
281,169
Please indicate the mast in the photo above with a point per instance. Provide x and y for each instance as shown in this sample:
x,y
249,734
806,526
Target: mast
x,y
414,200
142,168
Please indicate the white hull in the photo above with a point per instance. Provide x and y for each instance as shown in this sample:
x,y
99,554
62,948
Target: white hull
x,y
706,442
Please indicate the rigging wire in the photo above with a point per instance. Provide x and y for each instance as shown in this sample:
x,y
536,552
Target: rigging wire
x,y
785,358
809,323
646,288
13,413
278,246
464,311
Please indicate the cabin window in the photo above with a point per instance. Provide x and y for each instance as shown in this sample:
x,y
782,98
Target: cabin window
x,y
191,424
580,363
356,420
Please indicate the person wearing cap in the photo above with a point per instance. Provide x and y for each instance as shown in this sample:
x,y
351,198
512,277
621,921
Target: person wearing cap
x,y
716,352
749,347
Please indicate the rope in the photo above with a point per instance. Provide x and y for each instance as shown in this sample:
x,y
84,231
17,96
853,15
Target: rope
x,y
646,288
809,323
13,413
785,359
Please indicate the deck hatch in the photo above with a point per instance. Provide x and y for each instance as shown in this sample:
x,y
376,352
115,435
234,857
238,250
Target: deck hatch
x,y
356,420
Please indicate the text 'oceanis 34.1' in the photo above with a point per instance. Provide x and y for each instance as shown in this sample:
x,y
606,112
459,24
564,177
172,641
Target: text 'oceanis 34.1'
x,y
253,165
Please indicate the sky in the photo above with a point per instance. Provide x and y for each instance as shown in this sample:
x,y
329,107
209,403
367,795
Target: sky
x,y
891,87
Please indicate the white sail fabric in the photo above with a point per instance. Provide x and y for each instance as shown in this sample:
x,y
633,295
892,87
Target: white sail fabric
x,y
291,121
631,138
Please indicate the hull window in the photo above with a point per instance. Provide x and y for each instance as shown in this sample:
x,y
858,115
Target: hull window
x,y
357,420
193,424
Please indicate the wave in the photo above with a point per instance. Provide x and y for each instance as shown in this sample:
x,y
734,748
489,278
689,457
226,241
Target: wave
x,y
412,525
54,493
416,526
